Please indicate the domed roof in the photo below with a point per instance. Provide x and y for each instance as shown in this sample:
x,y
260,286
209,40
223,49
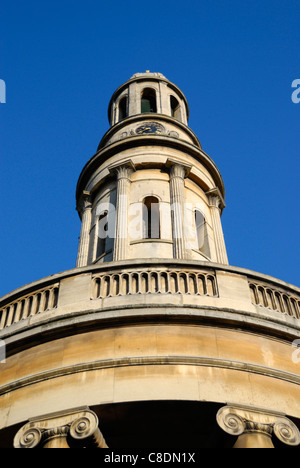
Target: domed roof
x,y
148,74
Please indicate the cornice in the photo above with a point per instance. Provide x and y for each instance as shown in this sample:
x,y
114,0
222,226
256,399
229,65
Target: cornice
x,y
150,140
144,117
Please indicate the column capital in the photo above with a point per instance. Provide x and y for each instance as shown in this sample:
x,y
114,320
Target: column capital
x,y
85,201
122,170
74,428
178,168
215,198
247,420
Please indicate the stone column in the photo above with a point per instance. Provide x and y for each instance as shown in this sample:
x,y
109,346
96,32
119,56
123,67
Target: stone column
x,y
72,429
86,218
178,172
255,427
134,100
123,173
217,204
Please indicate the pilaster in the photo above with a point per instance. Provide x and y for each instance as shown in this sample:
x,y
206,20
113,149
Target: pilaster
x,y
123,174
217,204
83,249
178,172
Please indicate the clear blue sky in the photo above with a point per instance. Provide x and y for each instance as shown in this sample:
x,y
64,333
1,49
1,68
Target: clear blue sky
x,y
235,61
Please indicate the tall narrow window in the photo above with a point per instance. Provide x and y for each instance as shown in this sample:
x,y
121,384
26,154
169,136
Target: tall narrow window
x,y
102,233
151,221
201,232
148,101
175,109
122,108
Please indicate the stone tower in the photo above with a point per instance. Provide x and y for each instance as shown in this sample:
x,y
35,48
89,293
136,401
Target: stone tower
x,y
150,174
153,340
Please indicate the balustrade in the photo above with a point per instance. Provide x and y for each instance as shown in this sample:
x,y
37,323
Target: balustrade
x,y
150,280
153,282
275,299
29,305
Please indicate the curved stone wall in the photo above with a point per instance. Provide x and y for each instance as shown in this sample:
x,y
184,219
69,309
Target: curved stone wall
x,y
135,331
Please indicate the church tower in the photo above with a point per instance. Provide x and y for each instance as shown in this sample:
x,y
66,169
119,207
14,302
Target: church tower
x,y
150,184
153,340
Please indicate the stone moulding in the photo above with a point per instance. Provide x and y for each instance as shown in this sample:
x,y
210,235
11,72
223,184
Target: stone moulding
x,y
151,361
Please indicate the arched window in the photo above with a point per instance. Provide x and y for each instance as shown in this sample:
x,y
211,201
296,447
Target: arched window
x,y
102,233
123,108
175,108
148,101
201,232
151,221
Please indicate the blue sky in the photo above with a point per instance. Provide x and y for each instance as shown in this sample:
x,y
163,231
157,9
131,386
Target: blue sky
x,y
235,62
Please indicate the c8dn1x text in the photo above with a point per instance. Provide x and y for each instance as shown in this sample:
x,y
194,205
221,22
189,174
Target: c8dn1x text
x,y
152,457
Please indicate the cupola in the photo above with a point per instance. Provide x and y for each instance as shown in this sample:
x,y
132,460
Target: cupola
x,y
148,93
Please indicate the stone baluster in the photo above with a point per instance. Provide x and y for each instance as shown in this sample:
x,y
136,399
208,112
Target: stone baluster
x,y
123,173
3,315
178,172
72,429
254,427
86,218
217,204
